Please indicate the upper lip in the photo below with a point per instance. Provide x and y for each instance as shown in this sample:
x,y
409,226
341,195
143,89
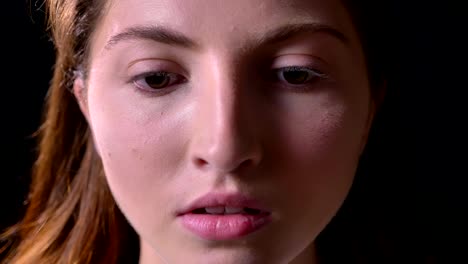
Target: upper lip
x,y
223,199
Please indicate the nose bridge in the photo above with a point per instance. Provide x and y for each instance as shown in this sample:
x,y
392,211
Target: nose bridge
x,y
224,139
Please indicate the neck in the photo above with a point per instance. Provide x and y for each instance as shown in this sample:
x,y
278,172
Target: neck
x,y
307,256
148,255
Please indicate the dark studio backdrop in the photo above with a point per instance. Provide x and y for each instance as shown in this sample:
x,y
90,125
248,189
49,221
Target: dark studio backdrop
x,y
419,155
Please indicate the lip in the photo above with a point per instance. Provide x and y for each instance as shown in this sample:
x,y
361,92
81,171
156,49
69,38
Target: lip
x,y
224,227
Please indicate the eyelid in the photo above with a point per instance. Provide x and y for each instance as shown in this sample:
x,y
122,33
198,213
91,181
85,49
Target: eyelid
x,y
315,71
300,60
155,65
147,66
151,73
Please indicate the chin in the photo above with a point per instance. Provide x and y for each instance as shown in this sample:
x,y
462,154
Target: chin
x,y
219,256
227,253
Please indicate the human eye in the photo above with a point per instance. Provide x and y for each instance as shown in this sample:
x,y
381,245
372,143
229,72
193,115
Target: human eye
x,y
297,76
157,82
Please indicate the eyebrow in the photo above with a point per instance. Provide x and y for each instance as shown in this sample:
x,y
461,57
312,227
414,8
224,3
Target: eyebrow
x,y
171,37
288,31
155,33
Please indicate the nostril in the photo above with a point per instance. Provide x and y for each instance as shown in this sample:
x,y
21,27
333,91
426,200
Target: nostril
x,y
245,164
200,162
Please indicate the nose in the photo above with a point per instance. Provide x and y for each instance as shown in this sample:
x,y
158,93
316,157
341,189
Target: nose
x,y
226,138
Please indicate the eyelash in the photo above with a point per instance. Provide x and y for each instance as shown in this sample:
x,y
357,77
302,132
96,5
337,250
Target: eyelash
x,y
313,75
140,81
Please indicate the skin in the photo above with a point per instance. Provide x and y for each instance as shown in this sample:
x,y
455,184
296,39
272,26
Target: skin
x,y
227,125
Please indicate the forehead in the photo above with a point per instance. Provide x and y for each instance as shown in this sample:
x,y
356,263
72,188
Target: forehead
x,y
229,23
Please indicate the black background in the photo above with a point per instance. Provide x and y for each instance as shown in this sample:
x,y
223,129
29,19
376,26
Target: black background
x,y
422,195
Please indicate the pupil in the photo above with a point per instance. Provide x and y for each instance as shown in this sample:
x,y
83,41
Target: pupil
x,y
296,77
157,80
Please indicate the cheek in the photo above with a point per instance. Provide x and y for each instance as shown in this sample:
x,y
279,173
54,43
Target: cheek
x,y
141,147
322,134
318,157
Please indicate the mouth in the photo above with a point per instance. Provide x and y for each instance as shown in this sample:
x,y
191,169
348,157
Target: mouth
x,y
227,210
221,217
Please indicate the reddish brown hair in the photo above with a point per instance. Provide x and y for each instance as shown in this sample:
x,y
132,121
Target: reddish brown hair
x,y
71,216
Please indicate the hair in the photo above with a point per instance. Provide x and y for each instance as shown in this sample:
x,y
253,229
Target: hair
x,y
71,216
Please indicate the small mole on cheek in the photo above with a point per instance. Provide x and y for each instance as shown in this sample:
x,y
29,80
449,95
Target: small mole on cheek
x,y
136,153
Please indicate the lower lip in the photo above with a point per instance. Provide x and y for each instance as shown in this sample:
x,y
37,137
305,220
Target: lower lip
x,y
224,227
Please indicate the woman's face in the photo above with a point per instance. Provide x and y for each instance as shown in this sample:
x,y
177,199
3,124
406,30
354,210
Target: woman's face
x,y
229,131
